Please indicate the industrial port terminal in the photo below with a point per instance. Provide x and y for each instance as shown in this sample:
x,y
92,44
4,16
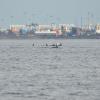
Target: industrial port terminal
x,y
50,31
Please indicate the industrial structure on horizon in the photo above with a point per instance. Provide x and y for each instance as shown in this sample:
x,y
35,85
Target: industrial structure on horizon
x,y
54,30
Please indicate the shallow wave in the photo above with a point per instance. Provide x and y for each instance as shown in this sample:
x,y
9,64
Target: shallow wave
x,y
68,73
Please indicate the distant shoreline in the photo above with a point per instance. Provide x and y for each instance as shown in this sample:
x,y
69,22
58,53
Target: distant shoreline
x,y
65,36
36,38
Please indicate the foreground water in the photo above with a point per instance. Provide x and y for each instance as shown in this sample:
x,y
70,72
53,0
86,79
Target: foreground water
x,y
71,72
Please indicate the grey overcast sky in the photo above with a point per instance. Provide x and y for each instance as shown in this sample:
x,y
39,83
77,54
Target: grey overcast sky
x,y
48,11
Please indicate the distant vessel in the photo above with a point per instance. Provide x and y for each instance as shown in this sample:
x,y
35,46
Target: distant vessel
x,y
48,32
54,45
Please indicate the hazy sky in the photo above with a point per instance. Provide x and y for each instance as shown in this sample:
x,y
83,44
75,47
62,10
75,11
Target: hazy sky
x,y
48,11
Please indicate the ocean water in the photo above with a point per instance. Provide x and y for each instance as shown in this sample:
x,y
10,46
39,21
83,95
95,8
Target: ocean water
x,y
71,72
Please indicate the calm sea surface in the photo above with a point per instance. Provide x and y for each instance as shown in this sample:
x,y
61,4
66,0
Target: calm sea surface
x,y
71,72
